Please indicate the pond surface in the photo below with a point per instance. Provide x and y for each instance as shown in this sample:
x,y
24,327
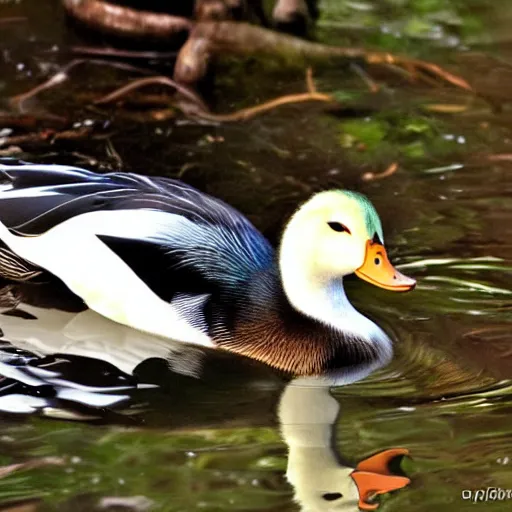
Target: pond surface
x,y
118,420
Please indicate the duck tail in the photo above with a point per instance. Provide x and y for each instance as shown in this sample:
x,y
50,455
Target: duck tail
x,y
13,266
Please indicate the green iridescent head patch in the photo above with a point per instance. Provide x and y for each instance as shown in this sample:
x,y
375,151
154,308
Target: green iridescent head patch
x,y
371,217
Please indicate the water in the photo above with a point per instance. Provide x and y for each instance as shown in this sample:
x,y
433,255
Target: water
x,y
178,429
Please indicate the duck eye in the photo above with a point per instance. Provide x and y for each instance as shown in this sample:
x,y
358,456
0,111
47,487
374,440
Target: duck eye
x,y
332,496
338,227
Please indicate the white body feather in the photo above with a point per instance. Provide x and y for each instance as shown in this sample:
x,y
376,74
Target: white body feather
x,y
73,244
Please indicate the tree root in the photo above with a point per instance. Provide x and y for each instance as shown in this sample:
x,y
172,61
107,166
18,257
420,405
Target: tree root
x,y
211,39
124,21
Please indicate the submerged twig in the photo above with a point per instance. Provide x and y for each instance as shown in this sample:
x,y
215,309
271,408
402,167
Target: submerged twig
x,y
30,122
31,464
366,78
13,19
310,83
63,75
10,151
500,157
485,330
57,79
126,54
135,503
153,80
371,176
112,153
289,99
45,136
247,113
446,108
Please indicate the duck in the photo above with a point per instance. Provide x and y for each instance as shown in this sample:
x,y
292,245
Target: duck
x,y
162,257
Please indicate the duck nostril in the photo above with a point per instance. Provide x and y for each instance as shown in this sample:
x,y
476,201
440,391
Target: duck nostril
x,y
394,277
377,261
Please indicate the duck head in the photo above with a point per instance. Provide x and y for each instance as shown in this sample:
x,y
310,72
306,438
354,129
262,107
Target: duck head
x,y
337,233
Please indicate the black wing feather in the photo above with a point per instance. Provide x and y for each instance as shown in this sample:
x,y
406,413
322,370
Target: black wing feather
x,y
34,198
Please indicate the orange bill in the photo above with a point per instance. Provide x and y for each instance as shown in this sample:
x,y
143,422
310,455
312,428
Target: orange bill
x,y
372,484
372,477
377,269
379,463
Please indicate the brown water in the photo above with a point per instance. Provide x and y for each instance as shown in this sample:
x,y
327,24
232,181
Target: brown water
x,y
209,436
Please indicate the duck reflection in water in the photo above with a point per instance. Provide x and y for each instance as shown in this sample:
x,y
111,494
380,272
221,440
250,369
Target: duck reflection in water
x,y
63,362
